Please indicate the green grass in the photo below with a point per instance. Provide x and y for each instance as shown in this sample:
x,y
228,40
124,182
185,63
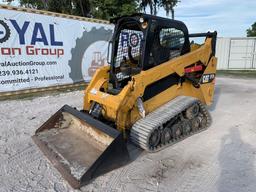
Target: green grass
x,y
237,73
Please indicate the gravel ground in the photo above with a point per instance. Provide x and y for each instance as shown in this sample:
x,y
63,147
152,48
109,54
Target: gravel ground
x,y
221,158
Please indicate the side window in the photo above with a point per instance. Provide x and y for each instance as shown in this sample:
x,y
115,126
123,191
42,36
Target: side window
x,y
172,39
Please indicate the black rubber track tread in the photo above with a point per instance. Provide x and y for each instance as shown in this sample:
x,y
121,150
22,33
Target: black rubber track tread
x,y
141,130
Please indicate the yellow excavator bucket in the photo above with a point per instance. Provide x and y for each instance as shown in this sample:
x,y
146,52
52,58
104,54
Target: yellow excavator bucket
x,y
79,146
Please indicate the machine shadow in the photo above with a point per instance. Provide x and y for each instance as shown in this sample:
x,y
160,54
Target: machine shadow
x,y
216,97
237,166
134,151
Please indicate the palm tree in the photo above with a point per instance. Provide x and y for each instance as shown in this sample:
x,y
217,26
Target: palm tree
x,y
168,6
152,6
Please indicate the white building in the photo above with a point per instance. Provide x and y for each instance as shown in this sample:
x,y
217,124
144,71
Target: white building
x,y
236,53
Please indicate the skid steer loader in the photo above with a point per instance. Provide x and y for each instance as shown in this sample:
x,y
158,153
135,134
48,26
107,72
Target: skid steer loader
x,y
153,93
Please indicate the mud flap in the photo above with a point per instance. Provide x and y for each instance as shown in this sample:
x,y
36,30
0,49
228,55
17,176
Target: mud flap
x,y
79,146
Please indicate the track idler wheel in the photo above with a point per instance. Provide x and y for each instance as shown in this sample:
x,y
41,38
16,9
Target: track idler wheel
x,y
192,111
166,135
177,130
203,122
186,128
195,124
154,138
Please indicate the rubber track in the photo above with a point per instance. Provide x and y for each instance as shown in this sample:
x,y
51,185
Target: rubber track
x,y
142,129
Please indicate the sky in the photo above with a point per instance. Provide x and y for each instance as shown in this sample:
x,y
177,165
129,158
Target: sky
x,y
230,18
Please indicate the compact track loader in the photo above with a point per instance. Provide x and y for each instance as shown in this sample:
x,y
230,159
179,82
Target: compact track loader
x,y
153,93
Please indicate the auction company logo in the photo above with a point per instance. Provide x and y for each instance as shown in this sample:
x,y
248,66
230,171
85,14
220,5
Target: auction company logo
x,y
29,39
5,31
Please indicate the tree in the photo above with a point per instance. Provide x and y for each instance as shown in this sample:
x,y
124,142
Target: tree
x,y
168,6
101,9
33,4
73,7
106,9
153,5
251,32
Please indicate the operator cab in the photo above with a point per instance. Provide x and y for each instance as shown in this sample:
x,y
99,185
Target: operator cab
x,y
141,42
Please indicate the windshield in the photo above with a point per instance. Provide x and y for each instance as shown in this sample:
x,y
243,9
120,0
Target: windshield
x,y
126,62
128,41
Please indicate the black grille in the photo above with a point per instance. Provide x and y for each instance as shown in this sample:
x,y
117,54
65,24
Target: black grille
x,y
128,38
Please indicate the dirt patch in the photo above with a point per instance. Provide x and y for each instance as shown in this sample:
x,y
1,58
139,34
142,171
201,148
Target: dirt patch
x,y
161,169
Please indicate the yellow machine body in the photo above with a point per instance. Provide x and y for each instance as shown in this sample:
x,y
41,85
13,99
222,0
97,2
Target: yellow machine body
x,y
143,78
122,109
